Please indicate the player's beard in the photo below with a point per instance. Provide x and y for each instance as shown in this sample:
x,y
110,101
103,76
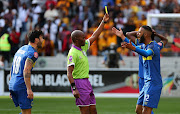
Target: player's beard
x,y
142,39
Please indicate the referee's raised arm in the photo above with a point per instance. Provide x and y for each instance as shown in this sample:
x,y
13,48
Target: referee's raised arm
x,y
98,31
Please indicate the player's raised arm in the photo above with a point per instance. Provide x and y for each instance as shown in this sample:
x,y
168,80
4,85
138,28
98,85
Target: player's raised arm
x,y
27,76
120,34
163,39
142,52
98,31
71,80
132,36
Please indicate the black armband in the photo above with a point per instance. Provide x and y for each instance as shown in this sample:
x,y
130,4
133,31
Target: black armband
x,y
73,86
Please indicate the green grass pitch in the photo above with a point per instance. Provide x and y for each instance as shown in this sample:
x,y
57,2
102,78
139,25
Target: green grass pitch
x,y
66,105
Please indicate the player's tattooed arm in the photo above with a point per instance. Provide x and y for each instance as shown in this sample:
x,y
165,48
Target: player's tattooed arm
x,y
27,73
27,68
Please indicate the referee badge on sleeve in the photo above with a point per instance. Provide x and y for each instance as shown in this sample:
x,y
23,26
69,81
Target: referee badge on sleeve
x,y
70,58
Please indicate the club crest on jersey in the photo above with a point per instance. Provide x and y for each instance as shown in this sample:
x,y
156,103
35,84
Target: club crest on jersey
x,y
70,58
35,54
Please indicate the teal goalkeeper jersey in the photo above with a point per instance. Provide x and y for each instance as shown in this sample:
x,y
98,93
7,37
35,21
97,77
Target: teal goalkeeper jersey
x,y
77,57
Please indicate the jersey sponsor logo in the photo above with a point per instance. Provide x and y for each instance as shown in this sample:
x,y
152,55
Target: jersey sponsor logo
x,y
147,58
21,51
35,54
70,58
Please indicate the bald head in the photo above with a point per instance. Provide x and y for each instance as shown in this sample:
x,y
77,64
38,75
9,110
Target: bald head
x,y
76,34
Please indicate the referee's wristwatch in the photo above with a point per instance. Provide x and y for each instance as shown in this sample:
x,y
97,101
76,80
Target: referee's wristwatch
x,y
73,86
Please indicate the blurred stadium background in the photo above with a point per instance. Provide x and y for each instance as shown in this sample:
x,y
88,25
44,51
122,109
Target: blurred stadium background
x,y
112,78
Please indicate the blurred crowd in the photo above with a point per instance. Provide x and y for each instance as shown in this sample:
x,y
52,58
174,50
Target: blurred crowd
x,y
58,18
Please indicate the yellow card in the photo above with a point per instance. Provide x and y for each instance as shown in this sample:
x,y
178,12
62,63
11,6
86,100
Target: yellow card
x,y
106,9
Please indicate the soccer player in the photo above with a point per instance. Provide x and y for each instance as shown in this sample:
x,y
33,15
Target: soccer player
x,y
20,74
133,37
150,51
78,69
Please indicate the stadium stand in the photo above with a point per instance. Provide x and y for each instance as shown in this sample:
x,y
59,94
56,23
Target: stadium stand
x,y
57,18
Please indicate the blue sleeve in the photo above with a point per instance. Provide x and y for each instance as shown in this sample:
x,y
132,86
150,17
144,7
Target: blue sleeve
x,y
144,53
127,40
32,56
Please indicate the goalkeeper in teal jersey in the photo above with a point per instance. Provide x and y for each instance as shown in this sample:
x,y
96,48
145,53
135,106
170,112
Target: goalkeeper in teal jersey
x,y
150,51
20,75
78,69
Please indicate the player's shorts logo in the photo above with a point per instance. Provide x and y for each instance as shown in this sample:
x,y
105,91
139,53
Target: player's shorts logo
x,y
145,103
32,103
